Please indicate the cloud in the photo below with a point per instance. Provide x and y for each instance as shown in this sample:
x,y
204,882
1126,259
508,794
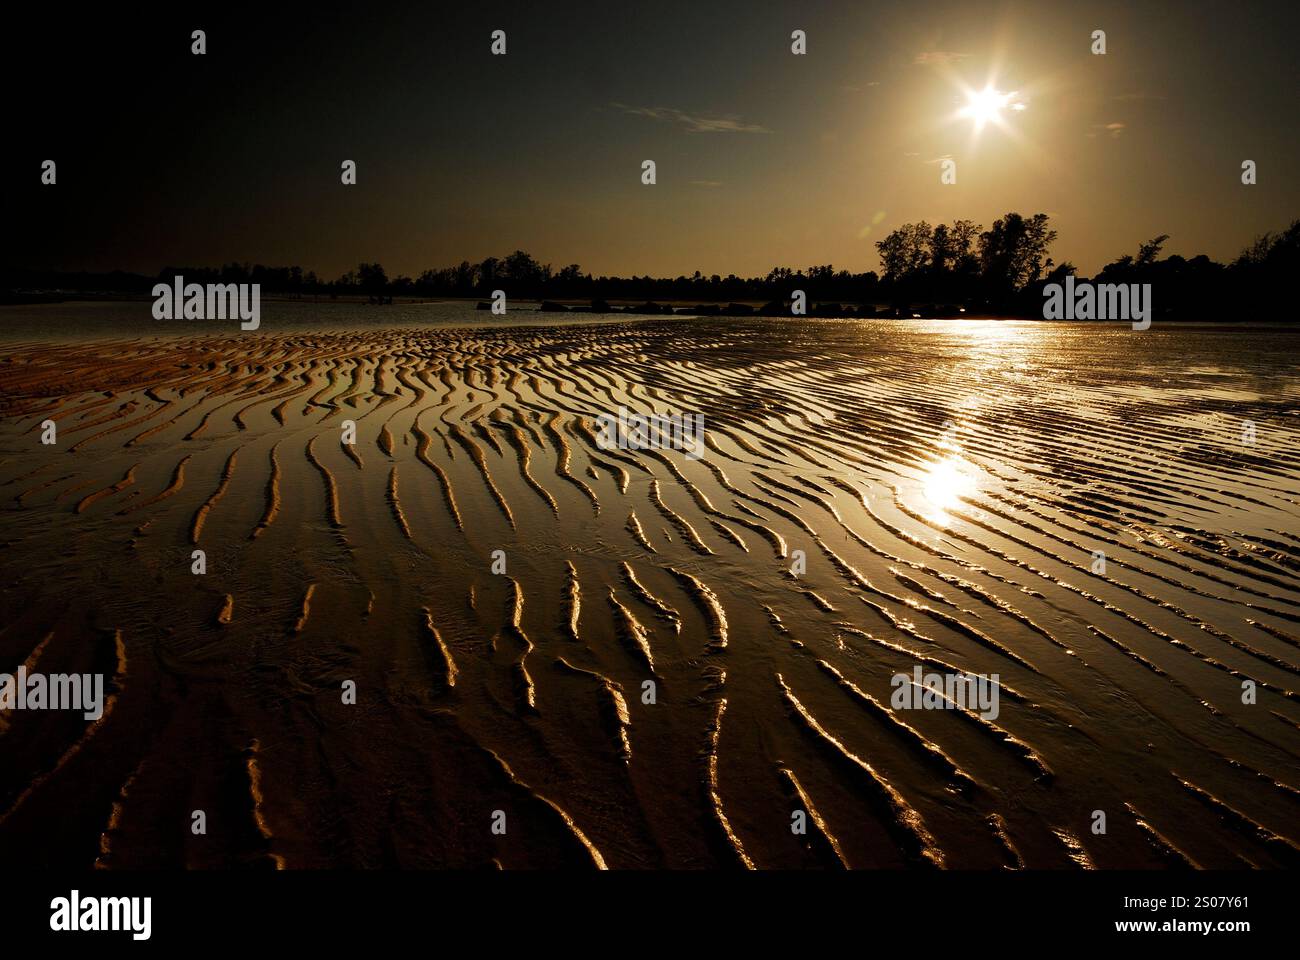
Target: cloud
x,y
939,58
706,183
694,123
946,156
1112,129
1126,97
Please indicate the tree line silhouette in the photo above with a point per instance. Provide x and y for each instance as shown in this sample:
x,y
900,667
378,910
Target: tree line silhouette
x,y
944,269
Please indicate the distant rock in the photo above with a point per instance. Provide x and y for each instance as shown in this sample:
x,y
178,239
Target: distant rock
x,y
600,306
550,306
650,307
738,310
775,308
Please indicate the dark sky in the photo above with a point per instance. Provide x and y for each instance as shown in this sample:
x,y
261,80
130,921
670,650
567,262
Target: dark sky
x,y
764,158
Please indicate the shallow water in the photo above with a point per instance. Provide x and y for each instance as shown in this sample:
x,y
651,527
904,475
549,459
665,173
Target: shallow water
x,y
948,484
101,319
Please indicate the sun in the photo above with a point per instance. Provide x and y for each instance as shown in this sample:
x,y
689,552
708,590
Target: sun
x,y
985,106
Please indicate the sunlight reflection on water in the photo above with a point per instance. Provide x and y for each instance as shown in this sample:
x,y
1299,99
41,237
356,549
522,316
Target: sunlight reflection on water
x,y
944,485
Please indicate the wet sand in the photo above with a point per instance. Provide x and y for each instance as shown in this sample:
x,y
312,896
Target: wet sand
x,y
947,484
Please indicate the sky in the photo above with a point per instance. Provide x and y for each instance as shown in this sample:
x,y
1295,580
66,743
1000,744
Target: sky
x,y
763,158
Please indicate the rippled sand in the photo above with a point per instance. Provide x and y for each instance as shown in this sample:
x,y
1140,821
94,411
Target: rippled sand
x,y
948,484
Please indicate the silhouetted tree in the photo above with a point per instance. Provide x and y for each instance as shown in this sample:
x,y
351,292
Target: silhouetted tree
x,y
371,278
1002,269
1013,254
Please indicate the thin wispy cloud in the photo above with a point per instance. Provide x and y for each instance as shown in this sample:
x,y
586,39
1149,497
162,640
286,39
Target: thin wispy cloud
x,y
1127,97
694,123
706,183
939,58
1112,130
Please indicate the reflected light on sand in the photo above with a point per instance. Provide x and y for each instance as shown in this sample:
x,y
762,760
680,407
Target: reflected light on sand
x,y
994,335
999,348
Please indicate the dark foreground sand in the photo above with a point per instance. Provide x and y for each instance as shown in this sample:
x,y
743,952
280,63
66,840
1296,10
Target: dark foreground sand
x,y
947,488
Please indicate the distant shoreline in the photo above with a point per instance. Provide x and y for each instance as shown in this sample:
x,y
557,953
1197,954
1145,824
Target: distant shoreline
x,y
626,310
